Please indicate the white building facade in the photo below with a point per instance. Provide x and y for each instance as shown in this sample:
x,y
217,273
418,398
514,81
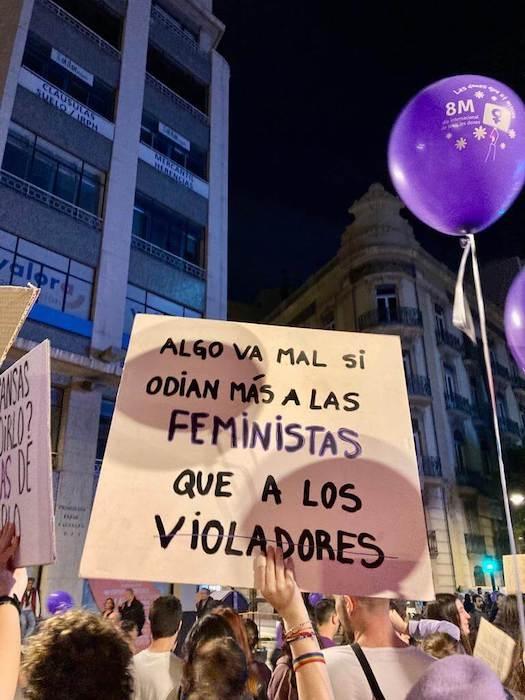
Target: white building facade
x,y
382,281
113,200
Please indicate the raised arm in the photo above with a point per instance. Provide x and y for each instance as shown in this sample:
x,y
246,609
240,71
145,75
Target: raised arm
x,y
276,581
9,616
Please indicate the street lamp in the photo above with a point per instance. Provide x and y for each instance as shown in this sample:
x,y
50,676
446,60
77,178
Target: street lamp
x,y
490,566
517,499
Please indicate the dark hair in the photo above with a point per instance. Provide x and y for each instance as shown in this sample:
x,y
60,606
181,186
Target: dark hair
x,y
165,615
400,606
218,672
253,633
127,626
241,637
130,590
507,619
324,610
445,608
209,627
112,602
31,578
77,655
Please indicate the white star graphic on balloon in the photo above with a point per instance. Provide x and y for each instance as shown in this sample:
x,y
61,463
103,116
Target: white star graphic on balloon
x,y
503,146
479,94
449,135
512,134
494,98
479,133
461,144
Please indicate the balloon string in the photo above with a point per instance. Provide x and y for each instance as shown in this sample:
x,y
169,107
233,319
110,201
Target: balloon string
x,y
503,478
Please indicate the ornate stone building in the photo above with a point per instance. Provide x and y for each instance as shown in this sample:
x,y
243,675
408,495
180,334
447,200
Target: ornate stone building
x,y
383,281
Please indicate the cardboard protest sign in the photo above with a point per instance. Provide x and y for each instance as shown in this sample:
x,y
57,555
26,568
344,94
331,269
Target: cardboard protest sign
x,y
495,648
15,304
25,455
511,586
227,436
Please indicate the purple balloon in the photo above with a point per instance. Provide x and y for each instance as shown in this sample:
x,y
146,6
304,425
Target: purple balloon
x,y
515,319
457,153
59,602
315,598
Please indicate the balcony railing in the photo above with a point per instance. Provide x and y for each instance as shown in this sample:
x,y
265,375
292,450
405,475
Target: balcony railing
x,y
475,543
483,483
456,402
500,371
418,385
443,337
177,99
169,258
158,15
431,466
50,200
402,316
81,28
432,544
517,382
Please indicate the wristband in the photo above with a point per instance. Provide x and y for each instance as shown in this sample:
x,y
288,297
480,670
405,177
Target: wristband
x,y
10,600
308,658
305,634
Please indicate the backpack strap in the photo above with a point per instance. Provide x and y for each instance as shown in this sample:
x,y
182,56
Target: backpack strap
x,y
372,681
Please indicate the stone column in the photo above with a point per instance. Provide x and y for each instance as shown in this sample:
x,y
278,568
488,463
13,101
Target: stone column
x,y
80,421
14,23
217,242
112,276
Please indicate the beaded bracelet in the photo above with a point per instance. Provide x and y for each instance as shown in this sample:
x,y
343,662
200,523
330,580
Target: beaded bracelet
x,y
311,658
302,625
304,634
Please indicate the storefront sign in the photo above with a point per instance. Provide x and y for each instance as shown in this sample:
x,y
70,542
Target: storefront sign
x,y
173,170
174,136
72,67
227,437
65,103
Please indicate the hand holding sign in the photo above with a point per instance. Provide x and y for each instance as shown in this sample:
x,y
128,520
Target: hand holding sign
x,y
9,542
275,578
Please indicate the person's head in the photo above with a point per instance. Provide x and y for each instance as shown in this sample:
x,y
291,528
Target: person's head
x,y
30,583
76,656
241,637
253,633
450,608
357,613
467,598
326,618
219,671
165,617
480,590
478,602
109,604
129,630
130,594
440,645
458,677
507,616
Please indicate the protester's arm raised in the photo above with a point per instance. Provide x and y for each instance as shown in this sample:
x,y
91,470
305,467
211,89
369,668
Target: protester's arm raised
x,y
9,617
276,581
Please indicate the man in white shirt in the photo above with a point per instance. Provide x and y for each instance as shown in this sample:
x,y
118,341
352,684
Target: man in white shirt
x,y
395,665
157,671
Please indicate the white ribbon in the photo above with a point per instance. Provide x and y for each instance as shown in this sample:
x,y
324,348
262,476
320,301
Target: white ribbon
x,y
461,315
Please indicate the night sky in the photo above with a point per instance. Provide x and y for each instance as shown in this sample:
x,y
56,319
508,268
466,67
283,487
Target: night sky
x,y
315,88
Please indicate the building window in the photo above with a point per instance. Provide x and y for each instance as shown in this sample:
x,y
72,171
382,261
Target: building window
x,y
167,229
501,407
97,17
407,363
106,413
450,380
479,576
65,285
177,78
439,316
99,96
485,452
54,170
418,441
173,145
459,449
140,301
386,301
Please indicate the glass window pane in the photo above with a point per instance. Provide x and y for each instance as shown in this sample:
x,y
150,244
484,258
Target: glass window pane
x,y
139,226
83,271
17,155
78,298
190,313
25,271
66,183
164,305
89,197
6,263
132,308
52,284
42,172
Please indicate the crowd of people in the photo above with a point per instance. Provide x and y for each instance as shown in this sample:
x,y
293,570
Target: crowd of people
x,y
343,648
